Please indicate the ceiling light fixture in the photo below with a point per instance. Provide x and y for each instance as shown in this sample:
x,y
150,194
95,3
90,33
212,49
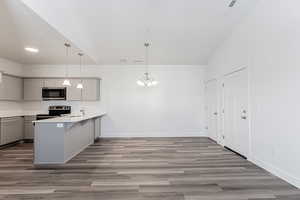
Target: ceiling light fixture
x,y
67,81
31,49
147,80
80,85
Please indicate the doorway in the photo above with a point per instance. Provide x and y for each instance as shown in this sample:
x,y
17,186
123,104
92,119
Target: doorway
x,y
211,90
236,124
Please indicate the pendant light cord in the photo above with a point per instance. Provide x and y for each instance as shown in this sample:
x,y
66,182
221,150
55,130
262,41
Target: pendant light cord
x,y
80,64
80,69
67,45
147,57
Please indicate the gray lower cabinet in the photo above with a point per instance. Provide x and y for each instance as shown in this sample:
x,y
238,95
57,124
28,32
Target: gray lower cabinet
x,y
33,89
11,129
11,88
29,127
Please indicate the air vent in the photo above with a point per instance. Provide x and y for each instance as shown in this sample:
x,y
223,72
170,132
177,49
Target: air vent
x,y
138,61
232,3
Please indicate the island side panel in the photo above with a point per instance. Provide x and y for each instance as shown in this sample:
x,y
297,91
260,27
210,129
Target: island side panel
x,y
78,136
48,143
97,128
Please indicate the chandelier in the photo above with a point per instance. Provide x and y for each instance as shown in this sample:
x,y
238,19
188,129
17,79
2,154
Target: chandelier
x,y
147,80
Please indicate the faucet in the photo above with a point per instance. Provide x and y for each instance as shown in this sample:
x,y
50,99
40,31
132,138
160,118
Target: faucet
x,y
82,111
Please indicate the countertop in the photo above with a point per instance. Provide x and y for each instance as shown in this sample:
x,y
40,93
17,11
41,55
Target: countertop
x,y
20,113
71,118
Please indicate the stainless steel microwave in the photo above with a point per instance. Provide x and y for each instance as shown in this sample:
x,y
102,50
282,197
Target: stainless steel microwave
x,y
58,93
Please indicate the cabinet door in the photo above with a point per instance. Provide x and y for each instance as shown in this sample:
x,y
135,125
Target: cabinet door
x,y
91,90
33,89
53,82
11,88
29,127
16,85
73,93
11,129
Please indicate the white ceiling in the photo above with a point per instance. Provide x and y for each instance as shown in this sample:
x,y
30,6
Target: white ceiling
x,y
180,31
21,27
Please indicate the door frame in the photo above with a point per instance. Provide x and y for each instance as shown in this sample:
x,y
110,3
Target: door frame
x,y
217,108
222,116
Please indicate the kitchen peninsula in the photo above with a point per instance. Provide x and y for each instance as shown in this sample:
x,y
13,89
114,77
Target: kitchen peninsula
x,y
59,139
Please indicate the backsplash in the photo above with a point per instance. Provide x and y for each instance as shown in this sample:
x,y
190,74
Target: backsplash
x,y
89,107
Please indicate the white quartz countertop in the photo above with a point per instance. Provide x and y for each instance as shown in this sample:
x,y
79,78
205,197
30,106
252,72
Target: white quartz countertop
x,y
20,113
71,118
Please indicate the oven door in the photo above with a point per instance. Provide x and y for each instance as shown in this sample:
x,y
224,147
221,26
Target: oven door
x,y
54,93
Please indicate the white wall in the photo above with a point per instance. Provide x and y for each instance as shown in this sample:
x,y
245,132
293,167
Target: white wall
x,y
173,108
268,43
10,67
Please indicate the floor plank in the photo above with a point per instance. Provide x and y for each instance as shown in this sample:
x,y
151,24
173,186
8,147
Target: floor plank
x,y
141,169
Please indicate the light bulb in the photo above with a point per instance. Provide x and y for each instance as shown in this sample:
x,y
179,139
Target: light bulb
x,y
140,83
67,82
154,83
79,86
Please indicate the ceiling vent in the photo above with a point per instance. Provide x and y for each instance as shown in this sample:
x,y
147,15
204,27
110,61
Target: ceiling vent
x,y
232,3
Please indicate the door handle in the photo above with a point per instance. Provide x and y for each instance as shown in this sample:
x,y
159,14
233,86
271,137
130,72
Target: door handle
x,y
244,116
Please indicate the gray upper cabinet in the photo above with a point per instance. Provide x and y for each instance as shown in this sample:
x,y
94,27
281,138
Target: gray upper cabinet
x,y
73,93
91,90
30,89
11,88
33,89
53,83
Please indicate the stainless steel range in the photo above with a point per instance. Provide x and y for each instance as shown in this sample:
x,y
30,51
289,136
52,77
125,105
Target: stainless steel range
x,y
55,111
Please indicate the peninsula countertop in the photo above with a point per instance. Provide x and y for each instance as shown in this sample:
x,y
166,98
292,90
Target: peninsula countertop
x,y
71,118
15,113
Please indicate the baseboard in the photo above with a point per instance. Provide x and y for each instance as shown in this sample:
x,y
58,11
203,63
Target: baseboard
x,y
277,172
108,134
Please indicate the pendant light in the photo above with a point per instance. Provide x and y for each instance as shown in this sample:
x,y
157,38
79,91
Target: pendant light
x,y
67,81
147,80
80,85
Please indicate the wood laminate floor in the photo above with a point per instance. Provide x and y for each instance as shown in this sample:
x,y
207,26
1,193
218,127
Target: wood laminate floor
x,y
141,169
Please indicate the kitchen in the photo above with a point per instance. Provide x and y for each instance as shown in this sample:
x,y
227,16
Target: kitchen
x,y
22,127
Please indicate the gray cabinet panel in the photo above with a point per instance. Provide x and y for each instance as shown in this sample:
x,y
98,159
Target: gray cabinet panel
x,y
91,90
73,93
33,89
11,88
29,127
11,129
54,82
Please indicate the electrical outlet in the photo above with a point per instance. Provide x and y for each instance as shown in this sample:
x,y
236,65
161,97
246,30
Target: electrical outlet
x,y
60,125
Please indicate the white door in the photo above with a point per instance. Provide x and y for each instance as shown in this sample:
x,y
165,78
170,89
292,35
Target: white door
x,y
236,126
211,90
